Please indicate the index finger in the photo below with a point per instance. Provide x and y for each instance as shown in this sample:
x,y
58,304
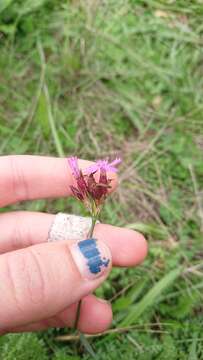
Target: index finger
x,y
29,177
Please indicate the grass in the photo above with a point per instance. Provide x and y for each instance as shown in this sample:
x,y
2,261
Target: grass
x,y
120,77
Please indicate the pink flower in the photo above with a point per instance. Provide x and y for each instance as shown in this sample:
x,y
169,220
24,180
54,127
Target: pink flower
x,y
104,165
88,190
81,191
73,162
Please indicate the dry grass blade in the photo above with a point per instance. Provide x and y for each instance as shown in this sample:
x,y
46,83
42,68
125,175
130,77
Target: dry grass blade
x,y
118,331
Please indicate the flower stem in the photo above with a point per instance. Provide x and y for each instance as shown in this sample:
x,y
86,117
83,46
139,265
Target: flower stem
x,y
75,326
94,219
83,340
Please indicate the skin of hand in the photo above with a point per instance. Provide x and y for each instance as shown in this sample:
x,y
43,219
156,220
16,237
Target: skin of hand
x,y
40,283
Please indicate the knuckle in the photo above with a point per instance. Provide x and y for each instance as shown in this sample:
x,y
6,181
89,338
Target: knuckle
x,y
18,180
26,279
17,232
21,234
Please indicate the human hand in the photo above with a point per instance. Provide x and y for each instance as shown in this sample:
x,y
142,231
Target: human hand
x,y
40,283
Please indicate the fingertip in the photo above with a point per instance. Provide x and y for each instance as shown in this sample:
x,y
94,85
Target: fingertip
x,y
128,247
96,315
143,246
136,248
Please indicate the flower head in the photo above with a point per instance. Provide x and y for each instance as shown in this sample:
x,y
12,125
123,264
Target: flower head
x,y
81,191
88,190
104,165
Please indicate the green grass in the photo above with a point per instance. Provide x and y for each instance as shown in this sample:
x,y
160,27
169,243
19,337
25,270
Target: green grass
x,y
122,78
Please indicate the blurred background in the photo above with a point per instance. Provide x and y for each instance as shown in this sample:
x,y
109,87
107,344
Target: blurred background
x,y
117,78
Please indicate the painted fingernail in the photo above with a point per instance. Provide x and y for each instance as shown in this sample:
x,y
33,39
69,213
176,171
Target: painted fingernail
x,y
92,258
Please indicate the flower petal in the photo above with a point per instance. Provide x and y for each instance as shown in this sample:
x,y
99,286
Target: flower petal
x,y
91,169
115,162
82,186
73,163
76,193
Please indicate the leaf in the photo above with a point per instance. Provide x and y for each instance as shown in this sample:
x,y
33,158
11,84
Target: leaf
x,y
87,346
52,123
25,346
61,354
193,349
7,29
154,230
41,115
169,349
32,5
150,298
4,4
185,305
124,302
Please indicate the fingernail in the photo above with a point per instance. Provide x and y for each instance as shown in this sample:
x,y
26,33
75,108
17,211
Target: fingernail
x,y
92,258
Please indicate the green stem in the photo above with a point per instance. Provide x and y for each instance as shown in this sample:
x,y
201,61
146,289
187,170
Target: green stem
x,y
75,326
83,340
94,219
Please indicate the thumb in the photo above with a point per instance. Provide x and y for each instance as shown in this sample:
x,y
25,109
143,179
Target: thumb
x,y
41,280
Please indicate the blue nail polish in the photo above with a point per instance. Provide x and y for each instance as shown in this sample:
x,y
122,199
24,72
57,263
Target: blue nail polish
x,y
93,255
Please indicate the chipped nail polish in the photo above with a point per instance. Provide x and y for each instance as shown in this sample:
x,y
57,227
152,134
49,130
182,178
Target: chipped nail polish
x,y
92,257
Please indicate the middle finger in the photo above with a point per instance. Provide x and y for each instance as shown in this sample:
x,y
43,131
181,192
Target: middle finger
x,y
21,229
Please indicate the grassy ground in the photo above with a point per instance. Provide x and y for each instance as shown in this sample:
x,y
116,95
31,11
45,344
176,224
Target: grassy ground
x,y
97,78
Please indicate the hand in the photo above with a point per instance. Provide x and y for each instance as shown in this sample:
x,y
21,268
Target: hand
x,y
40,284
